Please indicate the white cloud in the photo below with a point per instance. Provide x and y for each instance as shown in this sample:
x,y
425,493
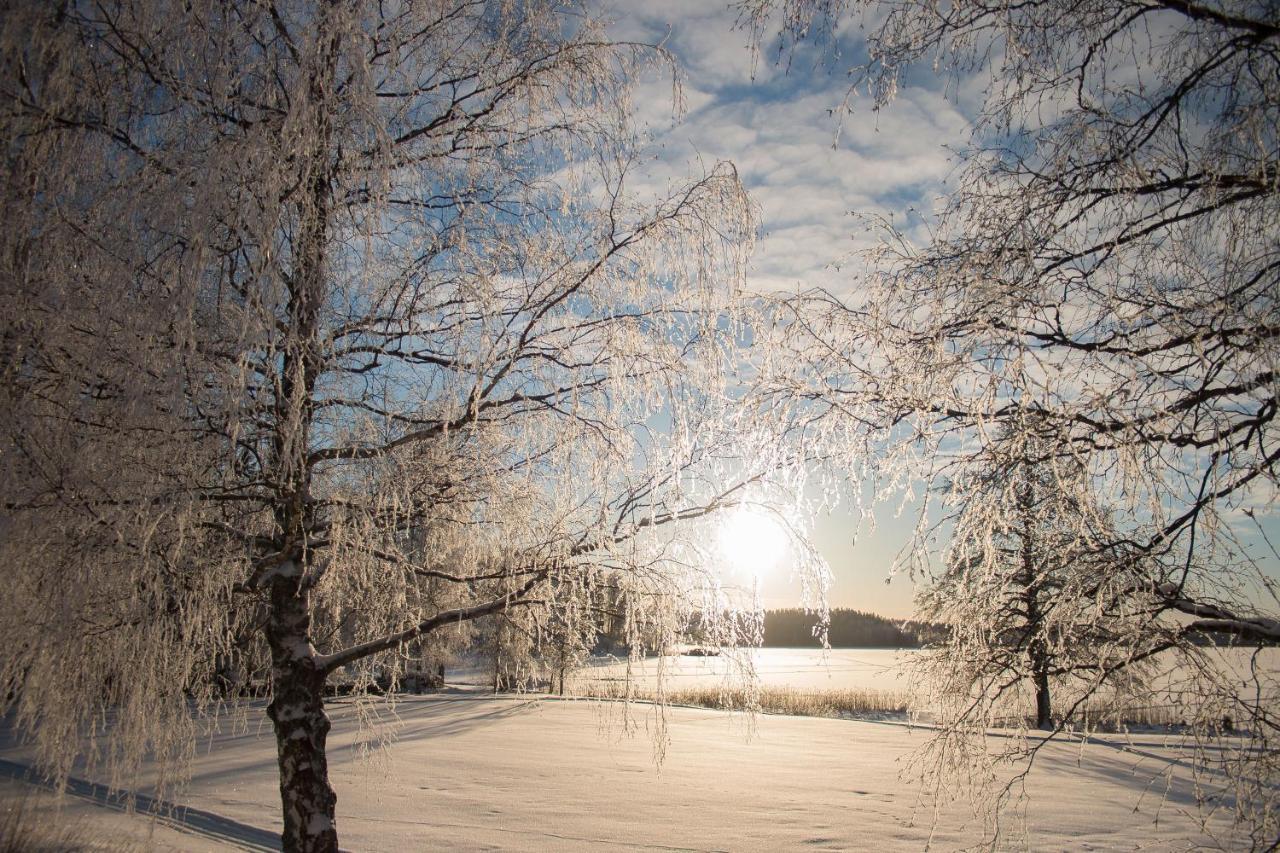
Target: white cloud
x,y
779,130
702,34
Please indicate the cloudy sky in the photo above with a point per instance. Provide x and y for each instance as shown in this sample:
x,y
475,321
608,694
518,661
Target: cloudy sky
x,y
812,170
775,122
809,174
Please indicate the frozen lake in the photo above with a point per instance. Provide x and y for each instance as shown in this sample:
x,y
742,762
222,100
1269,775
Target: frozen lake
x,y
867,669
877,669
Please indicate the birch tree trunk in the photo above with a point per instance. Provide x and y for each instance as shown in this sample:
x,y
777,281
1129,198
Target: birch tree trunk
x,y
297,705
1038,652
301,725
1037,647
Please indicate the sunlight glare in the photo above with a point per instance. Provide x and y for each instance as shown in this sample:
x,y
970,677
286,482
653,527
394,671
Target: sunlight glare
x,y
752,542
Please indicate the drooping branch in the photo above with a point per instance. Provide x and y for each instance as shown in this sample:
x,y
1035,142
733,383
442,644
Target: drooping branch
x,y
1214,618
328,663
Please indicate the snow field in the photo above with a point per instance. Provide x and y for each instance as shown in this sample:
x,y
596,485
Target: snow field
x,y
471,773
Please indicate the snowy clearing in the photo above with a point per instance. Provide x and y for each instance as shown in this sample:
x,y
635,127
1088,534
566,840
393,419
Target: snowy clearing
x,y
472,772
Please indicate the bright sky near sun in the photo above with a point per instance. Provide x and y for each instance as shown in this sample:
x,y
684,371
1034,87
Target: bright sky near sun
x,y
774,121
775,124
753,542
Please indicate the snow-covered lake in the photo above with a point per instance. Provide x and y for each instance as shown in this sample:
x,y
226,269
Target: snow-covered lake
x,y
868,669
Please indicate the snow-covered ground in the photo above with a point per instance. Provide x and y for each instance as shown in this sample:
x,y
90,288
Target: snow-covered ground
x,y
472,772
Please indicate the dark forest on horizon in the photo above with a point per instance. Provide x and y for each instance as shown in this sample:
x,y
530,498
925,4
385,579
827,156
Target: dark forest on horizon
x,y
796,628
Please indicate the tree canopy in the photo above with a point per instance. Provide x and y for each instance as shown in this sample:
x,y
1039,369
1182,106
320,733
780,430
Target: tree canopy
x,y
1100,282
335,325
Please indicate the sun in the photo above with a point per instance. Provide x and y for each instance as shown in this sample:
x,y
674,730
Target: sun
x,y
752,542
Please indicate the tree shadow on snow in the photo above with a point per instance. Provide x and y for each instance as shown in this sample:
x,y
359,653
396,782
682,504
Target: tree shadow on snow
x,y
199,822
1147,773
443,717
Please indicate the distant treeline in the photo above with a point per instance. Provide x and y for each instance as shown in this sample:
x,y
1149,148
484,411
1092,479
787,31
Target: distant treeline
x,y
848,629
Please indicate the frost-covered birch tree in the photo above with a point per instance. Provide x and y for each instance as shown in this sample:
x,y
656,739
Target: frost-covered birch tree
x,y
331,325
1034,597
1103,273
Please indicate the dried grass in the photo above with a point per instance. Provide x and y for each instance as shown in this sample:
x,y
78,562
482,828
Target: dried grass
x,y
849,702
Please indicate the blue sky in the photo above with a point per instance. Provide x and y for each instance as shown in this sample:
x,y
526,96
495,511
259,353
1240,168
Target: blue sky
x,y
775,123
